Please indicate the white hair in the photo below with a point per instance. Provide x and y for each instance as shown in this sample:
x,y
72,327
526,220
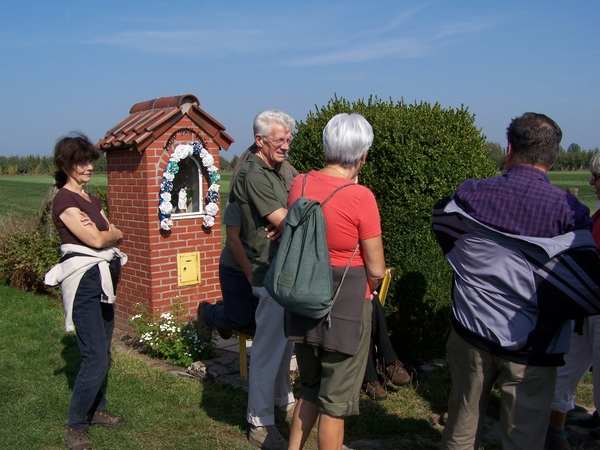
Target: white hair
x,y
595,164
346,138
264,120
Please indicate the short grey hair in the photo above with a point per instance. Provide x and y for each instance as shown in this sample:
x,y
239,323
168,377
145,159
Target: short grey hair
x,y
346,138
595,164
264,120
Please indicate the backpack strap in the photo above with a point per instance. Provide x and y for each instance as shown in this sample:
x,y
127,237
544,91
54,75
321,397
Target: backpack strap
x,y
339,188
337,291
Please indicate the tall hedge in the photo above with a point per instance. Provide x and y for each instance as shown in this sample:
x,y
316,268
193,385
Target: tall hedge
x,y
420,154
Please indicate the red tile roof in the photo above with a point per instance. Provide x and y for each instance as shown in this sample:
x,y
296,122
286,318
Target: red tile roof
x,y
148,120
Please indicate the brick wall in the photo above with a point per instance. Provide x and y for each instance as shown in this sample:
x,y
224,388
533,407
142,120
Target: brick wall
x,y
150,276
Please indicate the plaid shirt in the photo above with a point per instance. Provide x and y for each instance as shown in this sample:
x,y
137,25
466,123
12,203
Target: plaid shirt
x,y
522,201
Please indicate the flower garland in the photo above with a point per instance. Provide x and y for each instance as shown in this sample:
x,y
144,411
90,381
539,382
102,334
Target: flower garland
x,y
165,206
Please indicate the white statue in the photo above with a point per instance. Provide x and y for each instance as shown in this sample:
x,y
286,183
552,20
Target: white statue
x,y
182,201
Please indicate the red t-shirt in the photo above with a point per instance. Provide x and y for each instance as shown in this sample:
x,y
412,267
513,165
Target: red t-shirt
x,y
351,214
67,199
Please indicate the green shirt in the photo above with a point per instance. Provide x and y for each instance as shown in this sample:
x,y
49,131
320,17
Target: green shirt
x,y
233,218
259,191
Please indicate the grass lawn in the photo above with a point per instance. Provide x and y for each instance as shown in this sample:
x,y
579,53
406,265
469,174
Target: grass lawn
x,y
38,363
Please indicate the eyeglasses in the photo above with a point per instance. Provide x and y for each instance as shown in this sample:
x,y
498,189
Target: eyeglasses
x,y
278,142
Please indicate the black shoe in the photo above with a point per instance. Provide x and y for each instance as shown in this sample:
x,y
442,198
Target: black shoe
x,y
225,333
592,421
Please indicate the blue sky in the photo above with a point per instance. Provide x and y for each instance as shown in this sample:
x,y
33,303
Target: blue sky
x,y
81,65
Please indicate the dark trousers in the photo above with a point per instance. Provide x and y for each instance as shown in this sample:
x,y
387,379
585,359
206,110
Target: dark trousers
x,y
381,348
94,324
237,309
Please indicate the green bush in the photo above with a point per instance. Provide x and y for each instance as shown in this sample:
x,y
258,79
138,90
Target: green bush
x,y
27,252
420,154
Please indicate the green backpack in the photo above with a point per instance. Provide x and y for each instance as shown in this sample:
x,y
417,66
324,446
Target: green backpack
x,y
299,277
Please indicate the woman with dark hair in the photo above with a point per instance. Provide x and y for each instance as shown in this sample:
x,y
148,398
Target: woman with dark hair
x,y
332,359
88,273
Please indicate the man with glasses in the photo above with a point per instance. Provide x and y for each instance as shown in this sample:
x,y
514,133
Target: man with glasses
x,y
260,192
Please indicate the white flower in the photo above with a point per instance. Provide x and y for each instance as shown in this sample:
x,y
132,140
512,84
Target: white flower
x,y
166,224
166,196
214,187
182,151
166,316
212,168
209,221
203,153
208,160
169,176
166,208
212,209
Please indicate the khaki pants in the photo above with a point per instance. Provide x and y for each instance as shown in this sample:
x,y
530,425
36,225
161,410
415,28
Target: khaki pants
x,y
332,380
526,395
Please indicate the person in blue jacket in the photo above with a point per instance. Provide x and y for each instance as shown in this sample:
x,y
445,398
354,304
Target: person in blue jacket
x,y
524,263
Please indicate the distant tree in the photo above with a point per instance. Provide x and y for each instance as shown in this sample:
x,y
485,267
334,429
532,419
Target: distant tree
x,y
575,148
224,164
100,164
496,153
234,161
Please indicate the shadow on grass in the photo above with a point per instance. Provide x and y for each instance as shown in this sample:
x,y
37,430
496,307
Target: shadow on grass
x,y
72,358
387,429
224,403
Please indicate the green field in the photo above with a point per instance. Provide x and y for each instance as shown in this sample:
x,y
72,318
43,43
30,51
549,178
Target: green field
x,y
23,195
565,180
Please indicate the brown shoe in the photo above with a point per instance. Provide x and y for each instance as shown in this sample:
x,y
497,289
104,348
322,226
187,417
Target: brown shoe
x,y
203,331
397,374
375,390
107,419
77,439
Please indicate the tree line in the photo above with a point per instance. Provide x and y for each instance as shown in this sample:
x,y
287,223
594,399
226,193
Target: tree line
x,y
573,158
37,165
